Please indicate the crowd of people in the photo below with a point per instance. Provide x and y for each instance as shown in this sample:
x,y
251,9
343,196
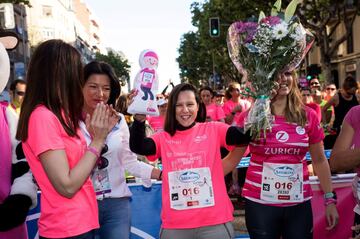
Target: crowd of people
x,y
80,148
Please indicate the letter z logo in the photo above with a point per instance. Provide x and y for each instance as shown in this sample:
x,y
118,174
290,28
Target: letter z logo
x,y
282,136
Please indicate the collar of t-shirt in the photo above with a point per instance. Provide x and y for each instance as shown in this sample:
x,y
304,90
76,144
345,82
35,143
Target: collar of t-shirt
x,y
182,128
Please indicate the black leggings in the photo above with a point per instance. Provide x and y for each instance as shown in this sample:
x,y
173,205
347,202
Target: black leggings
x,y
356,222
270,222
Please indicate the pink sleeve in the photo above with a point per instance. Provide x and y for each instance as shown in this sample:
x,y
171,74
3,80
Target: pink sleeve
x,y
352,117
44,132
315,131
156,138
226,109
220,113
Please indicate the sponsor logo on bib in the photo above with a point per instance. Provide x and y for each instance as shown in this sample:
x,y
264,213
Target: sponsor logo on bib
x,y
284,171
189,177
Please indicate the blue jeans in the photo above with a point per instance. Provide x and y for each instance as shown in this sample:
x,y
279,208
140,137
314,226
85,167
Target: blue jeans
x,y
114,218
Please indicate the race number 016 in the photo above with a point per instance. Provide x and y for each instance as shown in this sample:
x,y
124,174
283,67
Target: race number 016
x,y
190,191
284,185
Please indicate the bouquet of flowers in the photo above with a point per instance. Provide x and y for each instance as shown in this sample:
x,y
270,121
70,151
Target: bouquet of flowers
x,y
262,50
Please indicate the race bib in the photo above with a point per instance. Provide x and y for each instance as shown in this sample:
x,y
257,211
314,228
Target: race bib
x,y
100,179
191,188
282,183
147,77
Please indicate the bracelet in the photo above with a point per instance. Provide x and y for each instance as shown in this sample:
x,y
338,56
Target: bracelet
x,y
94,151
329,201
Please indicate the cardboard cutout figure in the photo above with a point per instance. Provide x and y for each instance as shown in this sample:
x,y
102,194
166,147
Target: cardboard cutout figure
x,y
146,85
18,192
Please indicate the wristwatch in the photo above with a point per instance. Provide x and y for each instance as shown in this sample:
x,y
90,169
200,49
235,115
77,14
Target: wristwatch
x,y
330,195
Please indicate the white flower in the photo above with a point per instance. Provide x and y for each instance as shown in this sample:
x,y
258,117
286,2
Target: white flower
x,y
299,33
280,30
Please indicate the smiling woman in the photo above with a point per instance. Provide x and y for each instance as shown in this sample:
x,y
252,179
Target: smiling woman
x,y
194,197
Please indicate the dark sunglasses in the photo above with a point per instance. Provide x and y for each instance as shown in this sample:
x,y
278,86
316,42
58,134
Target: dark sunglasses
x,y
103,162
332,89
20,93
306,95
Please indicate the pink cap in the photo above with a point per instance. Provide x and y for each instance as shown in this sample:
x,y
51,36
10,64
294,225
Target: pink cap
x,y
151,54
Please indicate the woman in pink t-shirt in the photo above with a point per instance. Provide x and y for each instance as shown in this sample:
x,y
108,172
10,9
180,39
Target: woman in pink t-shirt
x,y
214,112
277,187
195,204
53,144
345,155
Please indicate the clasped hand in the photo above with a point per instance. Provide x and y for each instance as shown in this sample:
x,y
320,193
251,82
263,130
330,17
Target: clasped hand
x,y
103,119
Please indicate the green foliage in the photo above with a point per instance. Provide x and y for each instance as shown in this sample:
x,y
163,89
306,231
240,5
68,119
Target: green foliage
x,y
200,55
120,65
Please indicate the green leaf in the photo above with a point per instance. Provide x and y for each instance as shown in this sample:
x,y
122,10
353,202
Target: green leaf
x,y
290,10
276,8
261,16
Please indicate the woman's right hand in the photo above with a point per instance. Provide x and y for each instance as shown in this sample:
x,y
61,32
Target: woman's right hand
x,y
99,123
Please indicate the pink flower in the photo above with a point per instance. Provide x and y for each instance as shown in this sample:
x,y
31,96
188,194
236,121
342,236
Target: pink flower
x,y
247,30
271,20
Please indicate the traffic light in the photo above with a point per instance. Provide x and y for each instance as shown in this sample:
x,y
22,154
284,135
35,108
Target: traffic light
x,y
214,27
308,77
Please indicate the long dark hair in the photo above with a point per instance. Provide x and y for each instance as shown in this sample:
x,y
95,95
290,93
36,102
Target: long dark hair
x,y
170,119
99,67
55,80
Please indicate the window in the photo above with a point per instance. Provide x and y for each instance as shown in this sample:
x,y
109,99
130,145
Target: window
x,y
47,11
350,43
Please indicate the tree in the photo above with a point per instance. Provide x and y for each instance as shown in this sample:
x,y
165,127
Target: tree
x,y
324,18
200,55
120,65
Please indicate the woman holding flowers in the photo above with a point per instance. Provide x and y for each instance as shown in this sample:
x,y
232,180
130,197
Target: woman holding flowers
x,y
277,188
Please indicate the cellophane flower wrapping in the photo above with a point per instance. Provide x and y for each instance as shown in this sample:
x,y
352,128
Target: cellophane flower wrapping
x,y
261,50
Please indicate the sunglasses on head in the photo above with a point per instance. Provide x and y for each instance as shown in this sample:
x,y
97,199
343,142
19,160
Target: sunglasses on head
x,y
103,162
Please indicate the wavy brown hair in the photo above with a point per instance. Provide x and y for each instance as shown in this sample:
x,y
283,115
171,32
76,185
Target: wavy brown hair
x,y
55,80
295,108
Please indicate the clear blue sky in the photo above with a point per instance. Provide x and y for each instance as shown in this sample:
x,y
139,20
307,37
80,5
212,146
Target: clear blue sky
x,y
134,25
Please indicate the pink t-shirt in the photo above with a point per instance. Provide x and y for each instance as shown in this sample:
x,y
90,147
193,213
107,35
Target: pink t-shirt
x,y
353,119
287,143
215,112
60,216
230,105
194,148
5,162
156,122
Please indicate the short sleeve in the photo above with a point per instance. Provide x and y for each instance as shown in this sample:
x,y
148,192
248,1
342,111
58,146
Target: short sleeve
x,y
352,117
315,131
226,108
44,131
219,113
156,137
